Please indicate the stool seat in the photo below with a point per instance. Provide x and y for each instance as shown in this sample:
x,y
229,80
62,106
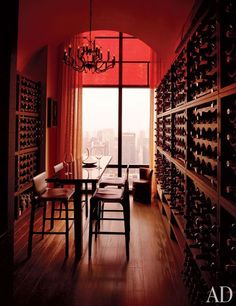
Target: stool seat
x,y
54,194
105,194
140,182
117,181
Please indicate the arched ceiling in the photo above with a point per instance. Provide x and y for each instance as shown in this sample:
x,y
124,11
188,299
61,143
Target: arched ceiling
x,y
157,22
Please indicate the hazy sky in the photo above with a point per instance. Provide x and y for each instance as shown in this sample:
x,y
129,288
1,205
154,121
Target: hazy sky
x,y
100,108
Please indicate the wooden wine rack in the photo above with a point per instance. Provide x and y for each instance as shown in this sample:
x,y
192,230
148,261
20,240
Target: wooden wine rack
x,y
28,137
195,138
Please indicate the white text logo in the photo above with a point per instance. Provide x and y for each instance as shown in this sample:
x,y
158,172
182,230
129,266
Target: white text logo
x,y
225,295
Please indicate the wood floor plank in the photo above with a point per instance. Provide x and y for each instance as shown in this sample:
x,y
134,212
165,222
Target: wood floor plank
x,y
150,278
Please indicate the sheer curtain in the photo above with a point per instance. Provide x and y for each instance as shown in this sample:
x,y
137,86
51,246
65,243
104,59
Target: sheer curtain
x,y
70,107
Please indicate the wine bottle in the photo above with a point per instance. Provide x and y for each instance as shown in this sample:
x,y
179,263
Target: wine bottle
x,y
211,267
231,114
230,268
231,31
230,59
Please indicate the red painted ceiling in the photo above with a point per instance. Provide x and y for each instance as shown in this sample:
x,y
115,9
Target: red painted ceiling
x,y
157,22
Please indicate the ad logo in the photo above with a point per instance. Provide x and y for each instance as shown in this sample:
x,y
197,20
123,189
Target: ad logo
x,y
225,295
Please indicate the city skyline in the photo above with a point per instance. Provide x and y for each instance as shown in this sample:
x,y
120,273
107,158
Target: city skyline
x,y
134,145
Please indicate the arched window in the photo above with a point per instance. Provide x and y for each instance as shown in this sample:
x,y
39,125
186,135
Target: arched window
x,y
116,103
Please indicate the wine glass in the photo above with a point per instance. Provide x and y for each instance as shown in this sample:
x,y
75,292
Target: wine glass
x,y
98,155
67,161
85,154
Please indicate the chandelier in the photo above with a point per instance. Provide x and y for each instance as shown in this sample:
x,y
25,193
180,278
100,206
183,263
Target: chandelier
x,y
88,57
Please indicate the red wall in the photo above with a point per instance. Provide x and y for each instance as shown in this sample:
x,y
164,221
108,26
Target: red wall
x,y
51,133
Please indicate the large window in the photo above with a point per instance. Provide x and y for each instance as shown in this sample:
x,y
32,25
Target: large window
x,y
135,126
116,104
100,120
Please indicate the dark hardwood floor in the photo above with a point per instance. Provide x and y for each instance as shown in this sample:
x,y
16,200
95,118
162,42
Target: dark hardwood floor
x,y
151,277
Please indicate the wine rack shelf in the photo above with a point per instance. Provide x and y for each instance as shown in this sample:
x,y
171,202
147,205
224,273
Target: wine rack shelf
x,y
195,158
28,137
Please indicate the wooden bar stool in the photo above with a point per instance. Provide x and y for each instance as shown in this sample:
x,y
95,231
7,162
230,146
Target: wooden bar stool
x,y
109,196
59,167
43,195
117,182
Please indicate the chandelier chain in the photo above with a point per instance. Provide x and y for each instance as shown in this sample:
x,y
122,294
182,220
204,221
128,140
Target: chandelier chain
x,y
90,22
88,57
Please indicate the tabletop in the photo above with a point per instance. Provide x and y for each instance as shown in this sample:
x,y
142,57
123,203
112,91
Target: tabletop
x,y
80,172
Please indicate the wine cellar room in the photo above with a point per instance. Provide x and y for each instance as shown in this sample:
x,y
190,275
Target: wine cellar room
x,y
182,230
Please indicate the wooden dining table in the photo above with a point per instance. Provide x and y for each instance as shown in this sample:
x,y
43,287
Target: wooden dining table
x,y
78,174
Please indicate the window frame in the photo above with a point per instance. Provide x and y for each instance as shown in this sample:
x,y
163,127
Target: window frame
x,y
120,86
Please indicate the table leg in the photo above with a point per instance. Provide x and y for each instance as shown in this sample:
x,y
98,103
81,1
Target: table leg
x,y
94,186
78,222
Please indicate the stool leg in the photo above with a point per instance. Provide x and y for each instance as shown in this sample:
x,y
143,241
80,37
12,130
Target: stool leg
x,y
86,200
90,227
30,240
60,210
67,228
53,214
127,227
44,218
103,206
99,215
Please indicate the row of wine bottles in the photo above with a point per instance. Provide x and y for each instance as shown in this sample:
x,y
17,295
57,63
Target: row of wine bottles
x,y
27,83
29,106
209,134
26,168
180,136
164,133
163,173
228,249
25,177
195,129
228,127
228,43
28,132
27,123
179,79
178,191
201,227
28,95
164,94
206,115
203,141
28,138
194,73
200,217
202,58
193,280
